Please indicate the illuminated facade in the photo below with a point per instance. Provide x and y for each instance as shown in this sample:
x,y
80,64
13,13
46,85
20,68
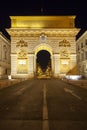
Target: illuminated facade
x,y
32,34
82,54
5,47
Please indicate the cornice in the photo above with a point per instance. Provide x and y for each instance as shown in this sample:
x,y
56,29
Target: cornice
x,y
38,32
2,36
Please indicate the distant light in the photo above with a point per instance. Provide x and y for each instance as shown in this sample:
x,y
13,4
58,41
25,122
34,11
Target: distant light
x,y
65,62
9,76
22,62
73,77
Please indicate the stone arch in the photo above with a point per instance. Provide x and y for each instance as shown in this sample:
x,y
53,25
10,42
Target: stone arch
x,y
41,47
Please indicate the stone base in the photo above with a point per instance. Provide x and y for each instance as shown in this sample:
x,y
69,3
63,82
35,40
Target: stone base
x,y
20,76
3,76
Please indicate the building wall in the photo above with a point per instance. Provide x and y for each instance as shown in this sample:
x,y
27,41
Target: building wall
x,y
82,54
5,49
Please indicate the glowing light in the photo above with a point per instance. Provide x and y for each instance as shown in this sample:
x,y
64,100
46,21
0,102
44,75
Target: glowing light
x,y
22,62
73,77
65,62
9,76
42,21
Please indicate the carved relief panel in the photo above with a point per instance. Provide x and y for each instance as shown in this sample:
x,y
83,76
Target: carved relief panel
x,y
64,61
21,43
22,62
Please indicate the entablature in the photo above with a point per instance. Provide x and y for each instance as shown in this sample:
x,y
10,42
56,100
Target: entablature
x,y
38,32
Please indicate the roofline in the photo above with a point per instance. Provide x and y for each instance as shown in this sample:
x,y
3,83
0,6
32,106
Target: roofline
x,y
4,37
85,33
42,16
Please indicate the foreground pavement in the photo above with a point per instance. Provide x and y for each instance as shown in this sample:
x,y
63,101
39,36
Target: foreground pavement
x,y
46,104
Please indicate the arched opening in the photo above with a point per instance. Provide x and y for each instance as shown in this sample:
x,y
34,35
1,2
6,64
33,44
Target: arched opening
x,y
43,64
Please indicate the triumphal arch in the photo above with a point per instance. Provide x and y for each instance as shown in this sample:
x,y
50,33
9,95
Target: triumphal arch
x,y
42,45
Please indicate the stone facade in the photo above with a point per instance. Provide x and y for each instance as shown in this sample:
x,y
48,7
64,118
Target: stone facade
x,y
31,34
82,54
5,49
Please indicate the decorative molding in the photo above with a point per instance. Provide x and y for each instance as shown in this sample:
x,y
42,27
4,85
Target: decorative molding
x,y
65,54
64,43
21,43
22,54
37,32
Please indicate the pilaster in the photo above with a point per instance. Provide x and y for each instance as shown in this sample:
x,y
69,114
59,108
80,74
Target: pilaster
x,y
13,64
31,65
56,60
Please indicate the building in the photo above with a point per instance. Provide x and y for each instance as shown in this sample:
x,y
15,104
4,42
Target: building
x,y
82,54
5,50
32,36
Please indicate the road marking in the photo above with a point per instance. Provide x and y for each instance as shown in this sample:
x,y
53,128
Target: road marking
x,y
45,110
72,93
22,89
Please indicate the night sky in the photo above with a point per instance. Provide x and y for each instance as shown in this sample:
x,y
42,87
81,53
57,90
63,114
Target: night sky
x,y
43,7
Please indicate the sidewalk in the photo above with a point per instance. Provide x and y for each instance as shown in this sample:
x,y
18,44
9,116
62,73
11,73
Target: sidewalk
x,y
6,82
80,83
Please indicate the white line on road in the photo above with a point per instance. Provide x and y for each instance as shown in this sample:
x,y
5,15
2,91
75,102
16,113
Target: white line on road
x,y
72,93
22,89
45,110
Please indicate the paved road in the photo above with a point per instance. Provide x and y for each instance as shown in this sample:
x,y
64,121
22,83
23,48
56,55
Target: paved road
x,y
43,105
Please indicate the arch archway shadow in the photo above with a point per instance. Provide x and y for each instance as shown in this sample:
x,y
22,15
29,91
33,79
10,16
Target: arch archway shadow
x,y
43,64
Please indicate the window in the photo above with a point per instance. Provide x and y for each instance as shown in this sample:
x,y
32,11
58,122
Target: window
x,y
86,67
85,54
81,45
5,51
78,47
85,41
82,56
78,58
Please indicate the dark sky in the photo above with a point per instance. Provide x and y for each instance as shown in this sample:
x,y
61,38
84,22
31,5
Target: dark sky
x,y
50,7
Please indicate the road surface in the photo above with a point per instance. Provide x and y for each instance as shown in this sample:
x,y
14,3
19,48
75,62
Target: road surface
x,y
43,104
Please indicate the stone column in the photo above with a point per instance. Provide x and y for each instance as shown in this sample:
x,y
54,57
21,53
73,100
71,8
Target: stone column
x,y
0,51
52,64
13,65
31,65
35,58
73,61
56,65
